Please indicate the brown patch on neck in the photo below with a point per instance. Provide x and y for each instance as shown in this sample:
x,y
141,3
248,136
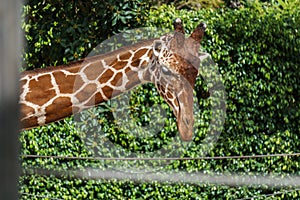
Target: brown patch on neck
x,y
117,81
119,64
125,56
66,83
86,92
106,76
93,70
41,90
60,108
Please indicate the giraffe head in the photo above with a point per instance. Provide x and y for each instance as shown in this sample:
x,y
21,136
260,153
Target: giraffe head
x,y
175,69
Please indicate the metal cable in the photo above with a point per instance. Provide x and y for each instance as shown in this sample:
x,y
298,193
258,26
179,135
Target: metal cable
x,y
162,158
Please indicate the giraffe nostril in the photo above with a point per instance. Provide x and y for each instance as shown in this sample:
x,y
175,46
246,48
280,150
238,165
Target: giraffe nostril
x,y
187,121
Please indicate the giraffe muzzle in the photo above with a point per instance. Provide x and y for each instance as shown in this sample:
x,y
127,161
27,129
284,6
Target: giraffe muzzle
x,y
185,115
185,128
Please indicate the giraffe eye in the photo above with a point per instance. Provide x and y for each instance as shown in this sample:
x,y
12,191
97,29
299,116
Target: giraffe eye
x,y
166,71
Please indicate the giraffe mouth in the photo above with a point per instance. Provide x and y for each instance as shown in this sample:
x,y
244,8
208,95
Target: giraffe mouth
x,y
185,125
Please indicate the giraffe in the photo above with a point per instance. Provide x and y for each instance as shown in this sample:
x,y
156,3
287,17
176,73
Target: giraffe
x,y
171,62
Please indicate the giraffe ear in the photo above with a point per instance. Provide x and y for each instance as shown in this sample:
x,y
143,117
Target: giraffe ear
x,y
203,56
157,47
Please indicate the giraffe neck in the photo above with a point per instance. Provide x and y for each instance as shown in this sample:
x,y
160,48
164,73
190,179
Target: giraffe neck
x,y
53,93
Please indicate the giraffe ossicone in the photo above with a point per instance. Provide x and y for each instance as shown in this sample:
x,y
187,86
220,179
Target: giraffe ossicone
x,y
171,62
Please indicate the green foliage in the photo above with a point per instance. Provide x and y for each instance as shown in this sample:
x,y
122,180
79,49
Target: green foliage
x,y
198,4
189,4
73,28
256,49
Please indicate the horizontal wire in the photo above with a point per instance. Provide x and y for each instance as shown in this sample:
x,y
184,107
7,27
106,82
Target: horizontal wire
x,y
161,158
263,181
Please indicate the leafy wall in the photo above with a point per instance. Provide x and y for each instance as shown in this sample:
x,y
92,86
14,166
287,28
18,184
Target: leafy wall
x,y
256,49
73,28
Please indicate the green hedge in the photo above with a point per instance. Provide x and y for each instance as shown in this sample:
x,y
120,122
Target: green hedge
x,y
74,28
256,49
